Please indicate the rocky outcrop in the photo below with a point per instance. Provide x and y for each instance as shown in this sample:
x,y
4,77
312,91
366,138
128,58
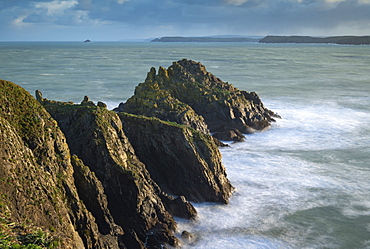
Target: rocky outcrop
x,y
38,194
103,199
187,94
181,160
134,201
91,192
153,99
231,135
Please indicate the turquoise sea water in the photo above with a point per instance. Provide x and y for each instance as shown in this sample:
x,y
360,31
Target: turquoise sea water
x,y
304,183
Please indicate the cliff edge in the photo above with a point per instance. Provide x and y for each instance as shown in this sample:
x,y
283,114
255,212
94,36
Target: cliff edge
x,y
134,200
39,198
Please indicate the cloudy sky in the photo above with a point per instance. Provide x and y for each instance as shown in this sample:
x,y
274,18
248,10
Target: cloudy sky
x,y
112,20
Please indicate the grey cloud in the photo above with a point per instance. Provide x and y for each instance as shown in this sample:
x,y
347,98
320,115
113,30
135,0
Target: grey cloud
x,y
200,16
84,5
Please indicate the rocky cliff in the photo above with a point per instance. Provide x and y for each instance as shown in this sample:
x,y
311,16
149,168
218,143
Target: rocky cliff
x,y
39,201
103,199
187,94
134,201
181,160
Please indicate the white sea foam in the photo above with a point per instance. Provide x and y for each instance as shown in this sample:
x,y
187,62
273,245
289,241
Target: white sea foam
x,y
50,74
283,171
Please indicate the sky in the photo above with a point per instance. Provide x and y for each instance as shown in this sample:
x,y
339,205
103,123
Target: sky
x,y
114,20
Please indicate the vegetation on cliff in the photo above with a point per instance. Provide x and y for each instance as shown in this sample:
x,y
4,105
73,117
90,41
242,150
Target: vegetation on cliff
x,y
181,160
187,94
134,201
52,199
36,182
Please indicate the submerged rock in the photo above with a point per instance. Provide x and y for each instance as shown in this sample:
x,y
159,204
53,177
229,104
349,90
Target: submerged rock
x,y
181,160
187,94
232,135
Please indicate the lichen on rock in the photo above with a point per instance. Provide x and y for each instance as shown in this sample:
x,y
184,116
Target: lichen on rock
x,y
36,175
180,159
187,87
134,200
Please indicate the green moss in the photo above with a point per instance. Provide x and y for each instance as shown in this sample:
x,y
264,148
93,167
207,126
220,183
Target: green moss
x,y
21,110
155,120
38,239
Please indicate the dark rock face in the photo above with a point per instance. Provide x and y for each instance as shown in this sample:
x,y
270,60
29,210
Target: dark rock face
x,y
232,135
187,94
180,207
112,204
181,160
37,187
96,136
91,192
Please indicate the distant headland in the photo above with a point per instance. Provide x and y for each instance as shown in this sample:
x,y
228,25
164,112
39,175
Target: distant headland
x,y
206,39
345,40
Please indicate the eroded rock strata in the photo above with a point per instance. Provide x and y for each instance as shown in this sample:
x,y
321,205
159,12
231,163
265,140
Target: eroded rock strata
x,y
38,194
180,159
103,199
188,94
134,201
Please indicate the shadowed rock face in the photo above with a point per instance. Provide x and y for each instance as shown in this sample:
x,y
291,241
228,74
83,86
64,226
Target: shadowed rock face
x,y
112,204
181,160
134,201
187,94
37,185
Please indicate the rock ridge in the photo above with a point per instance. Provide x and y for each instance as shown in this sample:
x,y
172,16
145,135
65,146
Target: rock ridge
x,y
181,160
188,94
134,201
47,191
38,194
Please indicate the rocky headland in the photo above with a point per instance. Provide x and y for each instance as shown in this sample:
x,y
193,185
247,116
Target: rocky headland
x,y
343,40
81,176
204,39
186,93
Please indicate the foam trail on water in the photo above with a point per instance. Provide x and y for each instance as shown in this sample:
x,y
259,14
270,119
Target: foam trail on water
x,y
283,177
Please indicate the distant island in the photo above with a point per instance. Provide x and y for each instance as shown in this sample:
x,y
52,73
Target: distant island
x,y
205,39
345,40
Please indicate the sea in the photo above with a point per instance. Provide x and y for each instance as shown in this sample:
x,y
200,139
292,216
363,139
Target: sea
x,y
303,183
